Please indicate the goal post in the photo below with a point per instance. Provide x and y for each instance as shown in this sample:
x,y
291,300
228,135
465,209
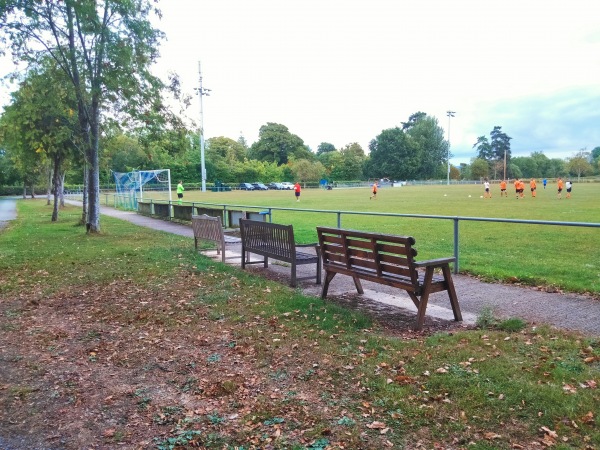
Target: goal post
x,y
131,187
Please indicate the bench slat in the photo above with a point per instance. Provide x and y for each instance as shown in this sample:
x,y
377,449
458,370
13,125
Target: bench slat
x,y
388,260
275,241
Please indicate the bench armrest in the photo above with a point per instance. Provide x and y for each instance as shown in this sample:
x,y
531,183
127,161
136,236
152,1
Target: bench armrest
x,y
435,262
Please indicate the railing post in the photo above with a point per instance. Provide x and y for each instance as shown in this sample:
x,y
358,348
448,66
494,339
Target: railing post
x,y
456,245
225,219
339,219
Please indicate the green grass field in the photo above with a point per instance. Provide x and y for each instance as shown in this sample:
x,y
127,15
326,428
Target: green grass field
x,y
562,257
131,339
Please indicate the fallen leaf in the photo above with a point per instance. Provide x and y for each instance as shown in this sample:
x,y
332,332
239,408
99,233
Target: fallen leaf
x,y
376,425
489,436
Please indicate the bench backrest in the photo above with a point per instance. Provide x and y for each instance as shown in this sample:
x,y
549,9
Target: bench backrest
x,y
268,238
207,227
379,255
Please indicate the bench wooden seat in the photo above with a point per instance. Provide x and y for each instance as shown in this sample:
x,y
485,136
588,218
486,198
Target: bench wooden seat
x,y
210,228
388,260
276,241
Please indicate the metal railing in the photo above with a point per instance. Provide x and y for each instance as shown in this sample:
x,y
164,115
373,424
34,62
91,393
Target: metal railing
x,y
268,210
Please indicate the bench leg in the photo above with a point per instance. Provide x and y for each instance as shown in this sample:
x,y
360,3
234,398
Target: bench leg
x,y
293,282
319,270
452,293
328,277
424,298
358,285
245,257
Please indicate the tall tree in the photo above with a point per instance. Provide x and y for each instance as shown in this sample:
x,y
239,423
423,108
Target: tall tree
x,y
579,164
393,155
500,143
431,146
325,147
99,44
484,148
413,120
276,144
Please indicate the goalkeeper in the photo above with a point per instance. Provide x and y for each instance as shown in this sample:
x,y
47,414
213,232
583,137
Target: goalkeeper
x,y
180,190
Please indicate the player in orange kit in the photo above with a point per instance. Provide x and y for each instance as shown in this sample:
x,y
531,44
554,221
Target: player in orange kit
x,y
559,184
503,189
533,187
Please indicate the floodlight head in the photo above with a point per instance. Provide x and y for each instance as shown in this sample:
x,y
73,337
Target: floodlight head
x,y
450,113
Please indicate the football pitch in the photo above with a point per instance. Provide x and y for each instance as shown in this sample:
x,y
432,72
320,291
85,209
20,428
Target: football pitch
x,y
556,257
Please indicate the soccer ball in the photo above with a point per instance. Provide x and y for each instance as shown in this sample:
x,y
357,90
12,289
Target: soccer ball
x,y
481,196
469,196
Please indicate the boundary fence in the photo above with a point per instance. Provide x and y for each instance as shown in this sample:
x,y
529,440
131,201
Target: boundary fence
x,y
232,212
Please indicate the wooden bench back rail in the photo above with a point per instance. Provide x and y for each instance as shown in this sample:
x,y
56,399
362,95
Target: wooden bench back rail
x,y
276,241
385,259
210,228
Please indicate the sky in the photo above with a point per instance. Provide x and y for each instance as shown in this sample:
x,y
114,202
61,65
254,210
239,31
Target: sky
x,y
341,71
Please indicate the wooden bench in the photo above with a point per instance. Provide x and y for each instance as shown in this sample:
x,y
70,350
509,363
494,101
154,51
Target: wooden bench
x,y
210,228
272,240
388,260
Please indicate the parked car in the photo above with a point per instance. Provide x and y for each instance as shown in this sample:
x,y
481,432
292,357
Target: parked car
x,y
260,187
245,187
287,185
277,186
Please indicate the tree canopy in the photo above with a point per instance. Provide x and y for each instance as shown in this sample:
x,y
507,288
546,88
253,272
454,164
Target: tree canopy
x,y
98,44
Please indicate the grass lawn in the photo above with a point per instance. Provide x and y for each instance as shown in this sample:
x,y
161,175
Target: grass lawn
x,y
130,339
558,257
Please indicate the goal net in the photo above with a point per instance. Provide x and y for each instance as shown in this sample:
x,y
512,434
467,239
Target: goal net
x,y
133,186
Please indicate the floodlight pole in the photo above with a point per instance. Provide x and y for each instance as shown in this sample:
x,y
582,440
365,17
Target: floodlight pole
x,y
449,114
202,92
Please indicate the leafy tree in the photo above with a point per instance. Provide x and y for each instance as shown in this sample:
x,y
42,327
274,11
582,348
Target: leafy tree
x,y
484,148
305,170
579,164
431,146
276,144
542,163
557,168
500,144
416,151
527,166
349,164
42,113
8,173
99,44
480,168
325,147
494,151
455,173
393,155
27,163
330,161
413,120
122,153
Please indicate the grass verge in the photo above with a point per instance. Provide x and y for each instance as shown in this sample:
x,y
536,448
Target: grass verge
x,y
131,339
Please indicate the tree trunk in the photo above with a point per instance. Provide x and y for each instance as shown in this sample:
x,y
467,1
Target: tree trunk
x,y
49,186
57,187
62,190
93,222
85,195
24,190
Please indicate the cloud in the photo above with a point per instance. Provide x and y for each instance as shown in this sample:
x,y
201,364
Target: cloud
x,y
557,124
